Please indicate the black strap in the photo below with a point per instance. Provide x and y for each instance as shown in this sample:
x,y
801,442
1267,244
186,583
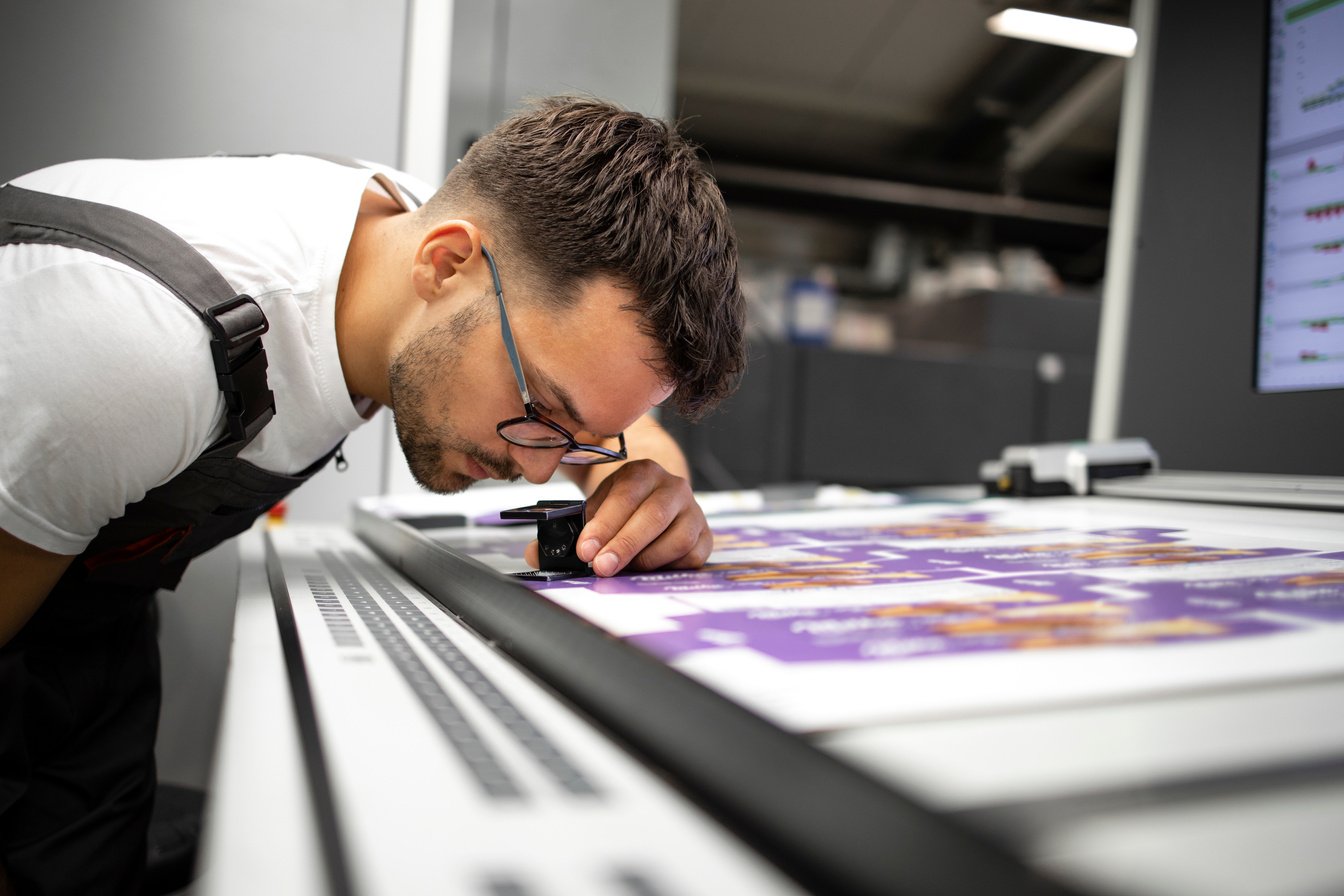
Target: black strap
x,y
236,322
400,193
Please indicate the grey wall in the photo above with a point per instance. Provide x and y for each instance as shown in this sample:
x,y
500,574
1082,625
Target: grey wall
x,y
156,78
1191,350
507,50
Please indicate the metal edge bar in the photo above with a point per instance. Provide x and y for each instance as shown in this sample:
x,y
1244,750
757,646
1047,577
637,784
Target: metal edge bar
x,y
832,828
1108,384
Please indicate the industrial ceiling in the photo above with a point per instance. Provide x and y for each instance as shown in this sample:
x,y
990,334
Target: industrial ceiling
x,y
907,109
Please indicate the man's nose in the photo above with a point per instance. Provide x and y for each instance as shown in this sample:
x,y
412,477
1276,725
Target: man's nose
x,y
536,464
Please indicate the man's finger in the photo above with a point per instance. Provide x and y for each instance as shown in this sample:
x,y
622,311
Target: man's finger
x,y
611,505
687,544
651,520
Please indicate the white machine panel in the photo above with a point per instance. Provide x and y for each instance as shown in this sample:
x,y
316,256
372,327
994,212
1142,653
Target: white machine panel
x,y
452,771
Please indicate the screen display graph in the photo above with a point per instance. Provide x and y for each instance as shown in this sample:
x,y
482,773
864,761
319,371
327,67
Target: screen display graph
x,y
1301,308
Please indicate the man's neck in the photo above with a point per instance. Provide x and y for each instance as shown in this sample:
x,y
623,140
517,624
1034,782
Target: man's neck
x,y
370,285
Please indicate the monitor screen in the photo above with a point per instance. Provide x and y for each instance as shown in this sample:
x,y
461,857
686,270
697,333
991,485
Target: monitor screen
x,y
1193,336
1301,307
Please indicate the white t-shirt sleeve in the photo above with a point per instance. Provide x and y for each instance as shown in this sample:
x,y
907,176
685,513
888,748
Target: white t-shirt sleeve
x,y
107,389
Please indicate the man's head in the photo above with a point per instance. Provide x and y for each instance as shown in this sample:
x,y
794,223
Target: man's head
x,y
575,189
587,368
619,270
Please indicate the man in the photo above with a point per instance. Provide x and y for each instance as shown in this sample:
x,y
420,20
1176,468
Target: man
x,y
576,269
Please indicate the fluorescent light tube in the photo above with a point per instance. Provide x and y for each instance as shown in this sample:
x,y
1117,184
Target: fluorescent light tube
x,y
1064,31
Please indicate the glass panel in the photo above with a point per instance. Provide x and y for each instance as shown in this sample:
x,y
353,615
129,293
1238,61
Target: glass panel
x,y
585,457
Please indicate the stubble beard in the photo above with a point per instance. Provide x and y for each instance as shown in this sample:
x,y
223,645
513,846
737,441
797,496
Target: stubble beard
x,y
426,366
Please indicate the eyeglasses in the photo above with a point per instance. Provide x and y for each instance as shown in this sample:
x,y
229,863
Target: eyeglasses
x,y
534,429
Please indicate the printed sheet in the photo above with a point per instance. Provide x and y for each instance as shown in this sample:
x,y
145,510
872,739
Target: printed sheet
x,y
829,619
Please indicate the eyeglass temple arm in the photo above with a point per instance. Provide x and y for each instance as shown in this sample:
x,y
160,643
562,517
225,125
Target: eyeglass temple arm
x,y
505,330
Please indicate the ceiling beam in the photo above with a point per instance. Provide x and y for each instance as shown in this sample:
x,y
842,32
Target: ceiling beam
x,y
800,102
904,194
1028,145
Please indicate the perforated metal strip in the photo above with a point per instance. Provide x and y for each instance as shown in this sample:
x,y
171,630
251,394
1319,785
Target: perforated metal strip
x,y
565,772
488,771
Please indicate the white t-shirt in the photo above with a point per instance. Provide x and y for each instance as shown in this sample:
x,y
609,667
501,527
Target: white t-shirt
x,y
107,387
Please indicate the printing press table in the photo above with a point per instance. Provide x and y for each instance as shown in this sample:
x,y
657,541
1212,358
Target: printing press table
x,y
1087,695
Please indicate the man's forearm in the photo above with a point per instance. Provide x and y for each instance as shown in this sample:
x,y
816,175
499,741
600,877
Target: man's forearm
x,y
29,573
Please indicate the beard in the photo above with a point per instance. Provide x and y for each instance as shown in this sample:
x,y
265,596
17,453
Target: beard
x,y
425,368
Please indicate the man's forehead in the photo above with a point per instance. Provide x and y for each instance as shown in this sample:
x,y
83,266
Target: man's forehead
x,y
594,358
601,401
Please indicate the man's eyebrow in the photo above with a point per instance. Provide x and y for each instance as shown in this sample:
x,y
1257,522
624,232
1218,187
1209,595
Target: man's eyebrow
x,y
567,404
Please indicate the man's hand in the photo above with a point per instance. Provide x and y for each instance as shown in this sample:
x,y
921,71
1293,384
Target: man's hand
x,y
642,517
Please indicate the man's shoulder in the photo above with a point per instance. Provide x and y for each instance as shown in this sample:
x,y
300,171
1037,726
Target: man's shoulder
x,y
85,316
103,399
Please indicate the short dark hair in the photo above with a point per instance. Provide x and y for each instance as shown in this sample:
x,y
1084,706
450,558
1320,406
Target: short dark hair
x,y
579,187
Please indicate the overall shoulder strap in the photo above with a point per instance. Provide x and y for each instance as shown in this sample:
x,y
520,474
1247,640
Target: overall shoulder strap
x,y
400,193
235,321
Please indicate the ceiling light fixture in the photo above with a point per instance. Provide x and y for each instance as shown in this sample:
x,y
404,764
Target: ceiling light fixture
x,y
1063,31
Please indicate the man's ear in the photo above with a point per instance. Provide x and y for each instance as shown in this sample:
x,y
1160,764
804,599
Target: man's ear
x,y
442,257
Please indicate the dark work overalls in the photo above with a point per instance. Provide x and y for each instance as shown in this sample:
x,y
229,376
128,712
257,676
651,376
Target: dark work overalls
x,y
79,684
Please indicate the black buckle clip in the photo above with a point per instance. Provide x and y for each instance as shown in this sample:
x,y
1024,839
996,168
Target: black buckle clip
x,y
236,321
240,365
